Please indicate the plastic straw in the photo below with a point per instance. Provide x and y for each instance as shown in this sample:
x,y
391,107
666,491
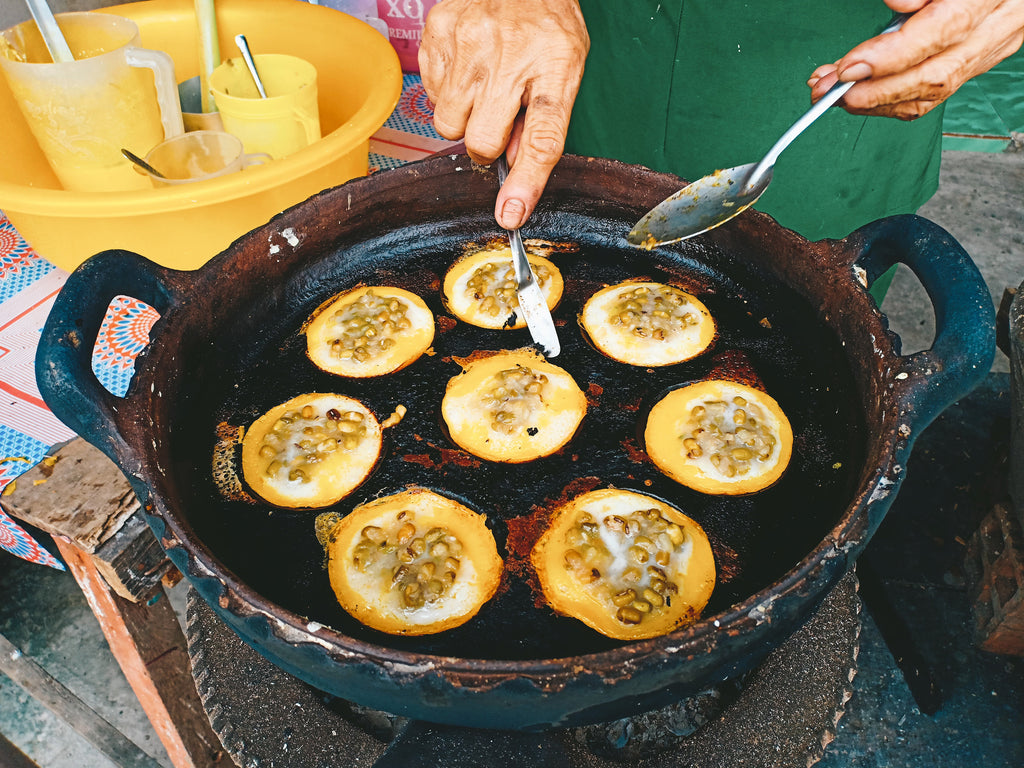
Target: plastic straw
x,y
52,36
209,50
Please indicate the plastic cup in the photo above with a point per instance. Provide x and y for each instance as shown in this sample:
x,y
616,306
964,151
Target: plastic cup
x,y
83,112
284,122
198,156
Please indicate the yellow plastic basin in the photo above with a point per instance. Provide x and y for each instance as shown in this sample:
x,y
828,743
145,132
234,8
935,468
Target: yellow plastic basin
x,y
360,82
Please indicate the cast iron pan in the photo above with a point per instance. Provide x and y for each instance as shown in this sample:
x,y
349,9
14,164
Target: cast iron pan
x,y
792,317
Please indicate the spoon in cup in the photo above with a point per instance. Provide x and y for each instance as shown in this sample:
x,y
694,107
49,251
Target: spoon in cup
x,y
142,163
250,62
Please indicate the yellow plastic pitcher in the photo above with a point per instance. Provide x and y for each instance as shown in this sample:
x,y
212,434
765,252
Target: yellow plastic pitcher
x,y
284,122
84,112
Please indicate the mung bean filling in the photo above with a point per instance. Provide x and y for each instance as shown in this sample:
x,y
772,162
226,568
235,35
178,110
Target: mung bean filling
x,y
653,312
514,400
493,286
422,564
304,437
628,560
368,327
733,436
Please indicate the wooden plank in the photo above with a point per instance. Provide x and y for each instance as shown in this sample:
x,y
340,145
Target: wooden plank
x,y
77,492
147,642
132,561
12,757
67,706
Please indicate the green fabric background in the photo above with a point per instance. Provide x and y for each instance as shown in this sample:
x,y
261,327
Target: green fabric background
x,y
691,86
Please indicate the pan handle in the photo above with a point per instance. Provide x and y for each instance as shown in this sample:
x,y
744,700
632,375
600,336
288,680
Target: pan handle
x,y
965,341
63,361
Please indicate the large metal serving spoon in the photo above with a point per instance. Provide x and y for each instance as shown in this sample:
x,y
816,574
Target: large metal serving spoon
x,y
716,198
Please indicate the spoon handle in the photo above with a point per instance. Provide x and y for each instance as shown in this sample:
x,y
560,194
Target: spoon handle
x,y
243,46
142,163
56,44
834,94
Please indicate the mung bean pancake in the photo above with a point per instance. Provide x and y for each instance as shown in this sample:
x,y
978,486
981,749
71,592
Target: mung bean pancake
x,y
647,323
625,564
480,288
719,437
310,451
413,563
369,331
512,406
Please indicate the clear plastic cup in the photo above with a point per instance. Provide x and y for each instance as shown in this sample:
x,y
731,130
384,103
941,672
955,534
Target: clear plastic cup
x,y
198,156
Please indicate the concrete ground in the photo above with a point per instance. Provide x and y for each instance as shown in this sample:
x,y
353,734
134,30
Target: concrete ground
x,y
980,201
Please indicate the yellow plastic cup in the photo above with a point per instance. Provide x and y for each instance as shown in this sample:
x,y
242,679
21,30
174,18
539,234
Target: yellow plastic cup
x,y
83,112
284,122
198,156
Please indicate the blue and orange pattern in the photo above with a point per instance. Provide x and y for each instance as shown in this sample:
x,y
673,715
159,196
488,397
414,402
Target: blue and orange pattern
x,y
124,333
20,266
414,113
16,540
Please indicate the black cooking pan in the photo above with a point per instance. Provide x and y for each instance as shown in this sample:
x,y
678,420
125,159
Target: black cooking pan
x,y
793,316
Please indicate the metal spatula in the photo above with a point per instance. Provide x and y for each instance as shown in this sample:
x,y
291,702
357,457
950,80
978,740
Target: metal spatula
x,y
531,298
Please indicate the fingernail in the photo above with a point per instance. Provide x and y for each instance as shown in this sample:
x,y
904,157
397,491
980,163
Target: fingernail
x,y
813,79
512,213
858,71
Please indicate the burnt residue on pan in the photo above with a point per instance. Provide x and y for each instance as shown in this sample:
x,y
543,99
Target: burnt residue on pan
x,y
767,335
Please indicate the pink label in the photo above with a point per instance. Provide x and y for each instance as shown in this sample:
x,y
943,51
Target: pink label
x,y
405,27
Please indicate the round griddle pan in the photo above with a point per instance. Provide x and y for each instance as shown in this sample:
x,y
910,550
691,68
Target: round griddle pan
x,y
793,318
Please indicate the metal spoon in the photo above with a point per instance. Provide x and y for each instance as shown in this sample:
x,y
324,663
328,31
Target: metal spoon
x,y
716,198
243,46
54,39
142,163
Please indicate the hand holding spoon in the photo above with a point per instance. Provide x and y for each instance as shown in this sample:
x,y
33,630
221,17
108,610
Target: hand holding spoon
x,y
716,198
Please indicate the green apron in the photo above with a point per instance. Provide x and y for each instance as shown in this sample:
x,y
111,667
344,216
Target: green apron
x,y
691,86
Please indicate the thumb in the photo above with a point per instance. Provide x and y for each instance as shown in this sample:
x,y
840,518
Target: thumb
x,y
516,200
533,154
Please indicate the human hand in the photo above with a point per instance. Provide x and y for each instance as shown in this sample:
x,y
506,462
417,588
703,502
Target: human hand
x,y
909,72
503,76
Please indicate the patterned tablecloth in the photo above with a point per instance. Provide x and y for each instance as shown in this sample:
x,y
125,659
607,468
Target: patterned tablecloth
x,y
29,284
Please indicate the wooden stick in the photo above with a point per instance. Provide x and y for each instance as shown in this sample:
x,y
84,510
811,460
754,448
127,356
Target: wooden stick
x,y
67,706
209,50
147,642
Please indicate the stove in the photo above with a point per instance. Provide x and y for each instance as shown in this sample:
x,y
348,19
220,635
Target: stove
x,y
780,715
